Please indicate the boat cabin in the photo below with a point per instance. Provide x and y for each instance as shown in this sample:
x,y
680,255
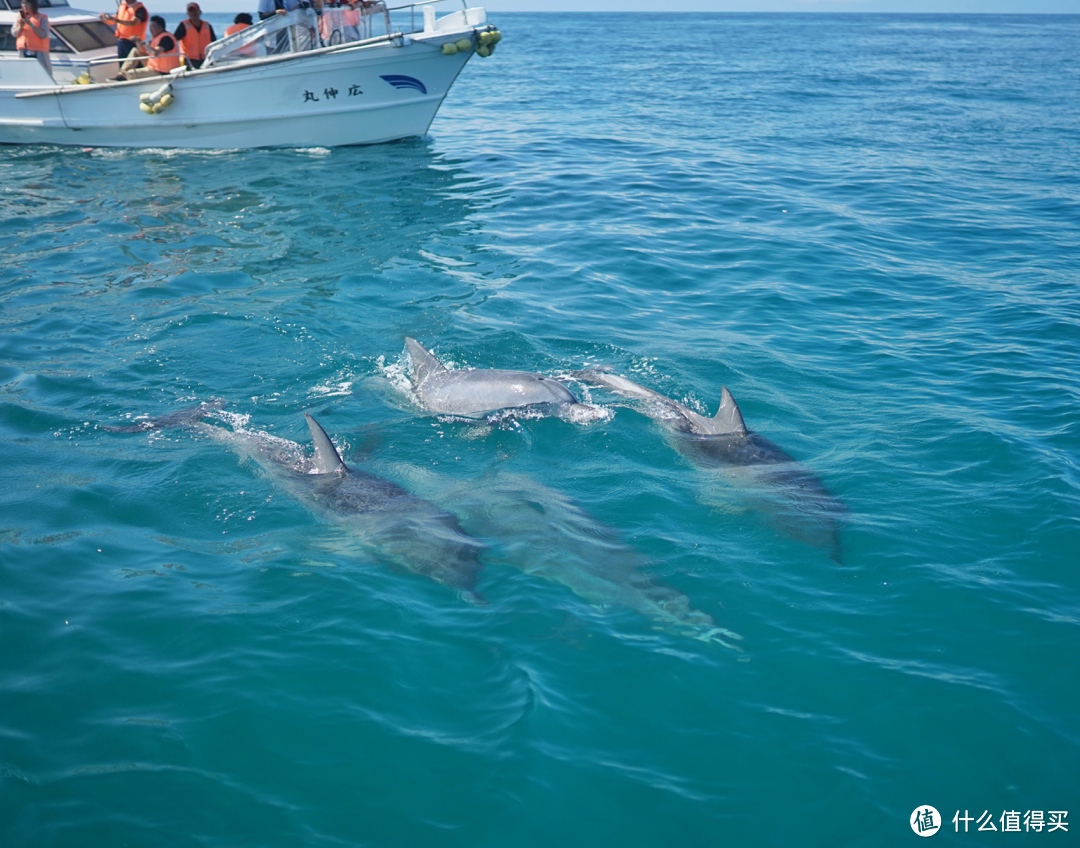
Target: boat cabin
x,y
78,36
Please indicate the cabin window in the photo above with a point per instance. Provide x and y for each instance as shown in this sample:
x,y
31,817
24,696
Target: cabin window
x,y
56,45
90,35
7,41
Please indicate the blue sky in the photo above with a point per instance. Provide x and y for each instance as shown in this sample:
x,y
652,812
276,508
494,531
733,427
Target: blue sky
x,y
496,6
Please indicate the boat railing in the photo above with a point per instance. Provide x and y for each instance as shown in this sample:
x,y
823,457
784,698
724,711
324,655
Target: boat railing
x,y
302,29
328,23
102,70
310,27
469,17
412,7
132,59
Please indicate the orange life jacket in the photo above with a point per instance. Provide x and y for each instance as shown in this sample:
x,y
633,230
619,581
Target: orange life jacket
x,y
30,40
195,41
167,62
127,25
232,29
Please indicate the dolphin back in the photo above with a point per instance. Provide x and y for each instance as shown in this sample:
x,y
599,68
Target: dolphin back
x,y
424,364
401,526
728,419
327,459
794,500
473,392
479,391
180,418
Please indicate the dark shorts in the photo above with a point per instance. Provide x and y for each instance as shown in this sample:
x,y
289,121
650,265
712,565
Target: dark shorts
x,y
123,47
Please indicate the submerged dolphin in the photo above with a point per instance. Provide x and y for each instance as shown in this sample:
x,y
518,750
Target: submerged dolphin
x,y
796,501
545,534
390,521
474,392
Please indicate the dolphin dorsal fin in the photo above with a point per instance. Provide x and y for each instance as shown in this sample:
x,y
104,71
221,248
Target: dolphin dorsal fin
x,y
423,363
327,459
728,419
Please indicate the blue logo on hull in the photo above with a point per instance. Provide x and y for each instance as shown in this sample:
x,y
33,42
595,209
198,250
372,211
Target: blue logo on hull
x,y
402,81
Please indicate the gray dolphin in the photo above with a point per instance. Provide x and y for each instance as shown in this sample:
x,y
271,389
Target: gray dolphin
x,y
389,521
475,392
545,534
180,418
795,500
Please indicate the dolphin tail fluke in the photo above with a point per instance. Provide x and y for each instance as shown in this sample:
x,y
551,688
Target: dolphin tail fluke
x,y
720,636
327,459
473,597
728,418
423,363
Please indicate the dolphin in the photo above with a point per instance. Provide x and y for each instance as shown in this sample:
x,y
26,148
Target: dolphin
x,y
545,534
391,522
180,418
795,500
475,392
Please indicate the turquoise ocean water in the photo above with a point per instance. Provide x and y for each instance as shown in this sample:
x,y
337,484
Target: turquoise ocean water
x,y
866,227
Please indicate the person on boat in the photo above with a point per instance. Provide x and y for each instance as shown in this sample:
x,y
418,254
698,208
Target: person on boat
x,y
130,25
239,24
156,57
340,20
269,8
330,26
194,36
31,31
350,19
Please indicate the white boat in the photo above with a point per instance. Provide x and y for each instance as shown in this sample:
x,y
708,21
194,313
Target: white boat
x,y
311,78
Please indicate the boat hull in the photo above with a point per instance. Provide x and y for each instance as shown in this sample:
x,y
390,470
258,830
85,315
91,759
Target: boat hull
x,y
346,95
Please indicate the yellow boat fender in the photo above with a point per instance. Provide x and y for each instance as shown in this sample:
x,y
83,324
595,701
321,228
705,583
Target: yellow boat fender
x,y
154,103
463,45
488,39
449,49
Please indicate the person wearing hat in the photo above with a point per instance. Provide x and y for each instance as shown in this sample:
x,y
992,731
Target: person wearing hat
x,y
194,36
